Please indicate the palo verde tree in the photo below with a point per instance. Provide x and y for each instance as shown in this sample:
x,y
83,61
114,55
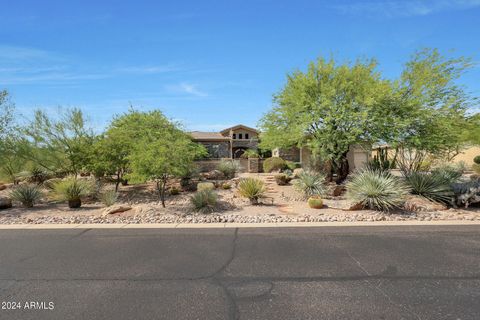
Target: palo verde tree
x,y
428,113
6,116
10,166
158,148
110,152
56,144
328,108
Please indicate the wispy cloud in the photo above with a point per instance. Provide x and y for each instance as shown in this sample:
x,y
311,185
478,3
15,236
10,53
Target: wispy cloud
x,y
187,88
149,69
21,53
27,65
405,8
49,78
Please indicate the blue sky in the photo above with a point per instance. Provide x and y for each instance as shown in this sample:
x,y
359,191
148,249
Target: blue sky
x,y
209,64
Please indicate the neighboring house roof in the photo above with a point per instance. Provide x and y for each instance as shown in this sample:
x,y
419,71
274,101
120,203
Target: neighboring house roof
x,y
205,136
238,126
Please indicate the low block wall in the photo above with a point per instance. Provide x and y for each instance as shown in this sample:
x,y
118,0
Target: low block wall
x,y
212,164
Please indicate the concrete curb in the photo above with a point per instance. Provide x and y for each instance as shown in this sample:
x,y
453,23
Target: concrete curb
x,y
237,225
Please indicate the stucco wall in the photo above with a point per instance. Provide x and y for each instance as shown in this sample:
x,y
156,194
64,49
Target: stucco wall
x,y
467,155
357,157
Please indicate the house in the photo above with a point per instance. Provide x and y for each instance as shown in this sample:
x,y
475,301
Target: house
x,y
358,156
229,143
232,142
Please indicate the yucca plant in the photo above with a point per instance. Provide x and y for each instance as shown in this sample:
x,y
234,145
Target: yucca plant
x,y
27,194
228,168
109,197
435,187
252,189
449,173
204,201
72,190
310,183
377,190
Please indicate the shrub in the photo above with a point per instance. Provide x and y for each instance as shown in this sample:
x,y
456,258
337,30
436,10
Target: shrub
x,y
250,153
109,197
50,184
37,175
226,186
205,186
204,201
282,179
252,189
435,187
377,190
274,164
229,168
174,191
72,190
27,194
310,183
292,165
477,159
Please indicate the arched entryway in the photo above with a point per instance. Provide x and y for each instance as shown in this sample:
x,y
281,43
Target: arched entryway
x,y
237,152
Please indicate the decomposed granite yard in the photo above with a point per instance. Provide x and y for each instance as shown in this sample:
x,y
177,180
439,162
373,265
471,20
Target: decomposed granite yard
x,y
139,203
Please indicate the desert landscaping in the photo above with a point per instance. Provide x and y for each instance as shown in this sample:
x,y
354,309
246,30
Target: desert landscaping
x,y
281,203
341,142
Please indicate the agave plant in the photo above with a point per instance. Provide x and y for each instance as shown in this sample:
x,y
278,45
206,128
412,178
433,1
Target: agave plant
x,y
27,194
204,201
252,189
435,187
310,183
377,190
72,190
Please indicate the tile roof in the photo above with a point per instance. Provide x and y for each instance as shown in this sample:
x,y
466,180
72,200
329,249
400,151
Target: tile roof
x,y
199,135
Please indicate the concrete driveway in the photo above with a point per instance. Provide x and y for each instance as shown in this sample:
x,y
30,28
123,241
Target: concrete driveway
x,y
287,273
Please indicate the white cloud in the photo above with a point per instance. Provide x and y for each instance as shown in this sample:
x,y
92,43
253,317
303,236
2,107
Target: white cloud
x,y
21,53
148,69
405,8
48,78
187,88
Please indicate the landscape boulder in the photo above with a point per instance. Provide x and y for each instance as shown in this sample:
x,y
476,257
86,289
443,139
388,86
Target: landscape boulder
x,y
5,203
214,175
355,207
418,203
116,209
2,187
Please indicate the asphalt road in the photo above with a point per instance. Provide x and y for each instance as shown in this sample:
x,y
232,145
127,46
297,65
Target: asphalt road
x,y
295,273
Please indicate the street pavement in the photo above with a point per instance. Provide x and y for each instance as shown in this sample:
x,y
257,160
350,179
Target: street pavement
x,y
415,272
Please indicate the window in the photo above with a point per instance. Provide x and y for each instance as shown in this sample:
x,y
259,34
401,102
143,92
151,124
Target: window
x,y
234,136
240,136
246,135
